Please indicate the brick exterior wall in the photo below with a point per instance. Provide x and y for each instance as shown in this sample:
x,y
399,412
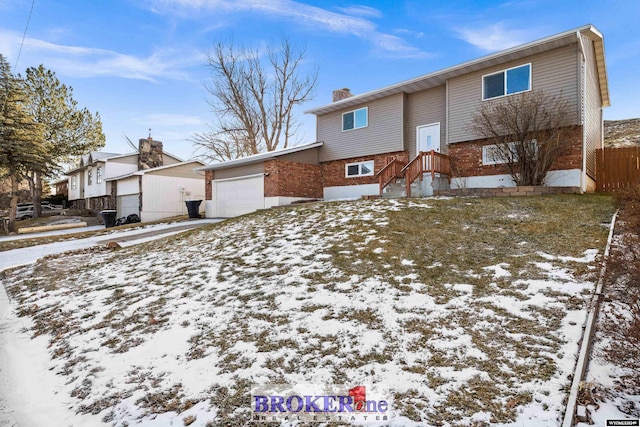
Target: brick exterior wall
x,y
208,185
466,157
334,175
292,179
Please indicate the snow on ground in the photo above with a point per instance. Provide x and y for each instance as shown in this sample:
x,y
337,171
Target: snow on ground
x,y
184,327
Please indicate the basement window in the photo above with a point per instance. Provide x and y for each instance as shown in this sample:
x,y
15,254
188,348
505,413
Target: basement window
x,y
353,170
495,155
355,119
506,82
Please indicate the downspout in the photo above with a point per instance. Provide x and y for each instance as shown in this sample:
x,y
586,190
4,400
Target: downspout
x,y
583,82
446,114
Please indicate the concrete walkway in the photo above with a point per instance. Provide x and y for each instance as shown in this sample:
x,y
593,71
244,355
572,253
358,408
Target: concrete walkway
x,y
30,254
45,406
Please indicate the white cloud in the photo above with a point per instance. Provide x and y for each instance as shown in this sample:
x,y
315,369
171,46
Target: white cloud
x,y
364,11
415,34
79,61
493,37
315,17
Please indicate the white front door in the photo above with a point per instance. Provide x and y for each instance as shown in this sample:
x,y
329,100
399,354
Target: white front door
x,y
428,137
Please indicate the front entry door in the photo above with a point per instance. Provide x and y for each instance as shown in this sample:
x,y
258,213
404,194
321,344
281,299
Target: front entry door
x,y
428,137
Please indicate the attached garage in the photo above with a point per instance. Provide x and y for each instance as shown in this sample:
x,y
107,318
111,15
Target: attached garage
x,y
238,196
261,181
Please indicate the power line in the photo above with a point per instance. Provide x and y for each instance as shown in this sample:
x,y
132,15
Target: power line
x,y
24,35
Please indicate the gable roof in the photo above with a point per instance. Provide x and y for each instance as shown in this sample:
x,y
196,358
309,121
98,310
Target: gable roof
x,y
439,78
255,158
143,171
99,156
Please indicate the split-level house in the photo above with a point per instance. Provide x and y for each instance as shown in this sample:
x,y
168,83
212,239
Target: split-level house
x,y
150,183
419,132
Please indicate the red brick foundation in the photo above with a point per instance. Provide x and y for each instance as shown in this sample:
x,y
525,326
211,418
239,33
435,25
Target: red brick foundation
x,y
334,175
466,157
208,185
291,179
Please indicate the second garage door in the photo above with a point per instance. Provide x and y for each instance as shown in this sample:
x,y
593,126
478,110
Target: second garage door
x,y
238,196
128,205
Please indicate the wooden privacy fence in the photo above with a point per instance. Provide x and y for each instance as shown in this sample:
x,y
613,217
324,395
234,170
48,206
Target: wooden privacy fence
x,y
617,168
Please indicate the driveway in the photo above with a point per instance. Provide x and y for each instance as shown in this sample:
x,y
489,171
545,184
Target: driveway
x,y
29,394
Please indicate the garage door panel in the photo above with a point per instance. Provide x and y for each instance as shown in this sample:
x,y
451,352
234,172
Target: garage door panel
x,y
238,196
128,205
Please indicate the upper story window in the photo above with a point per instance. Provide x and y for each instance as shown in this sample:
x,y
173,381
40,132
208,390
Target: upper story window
x,y
99,175
507,82
353,170
74,182
89,177
355,119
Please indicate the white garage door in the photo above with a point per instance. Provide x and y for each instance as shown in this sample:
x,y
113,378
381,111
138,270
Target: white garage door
x,y
128,205
235,197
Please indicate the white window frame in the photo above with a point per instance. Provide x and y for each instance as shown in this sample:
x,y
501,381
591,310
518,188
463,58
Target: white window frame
x,y
89,177
369,163
505,81
99,175
366,109
74,182
489,159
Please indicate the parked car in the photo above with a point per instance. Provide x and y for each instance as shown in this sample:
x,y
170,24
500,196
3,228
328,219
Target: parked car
x,y
26,212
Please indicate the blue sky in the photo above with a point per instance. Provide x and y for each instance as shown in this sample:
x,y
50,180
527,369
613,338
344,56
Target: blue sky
x,y
140,63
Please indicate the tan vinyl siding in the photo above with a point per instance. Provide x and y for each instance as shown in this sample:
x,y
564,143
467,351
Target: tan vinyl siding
x,y
131,159
309,156
425,108
382,135
592,110
238,171
168,159
182,171
555,72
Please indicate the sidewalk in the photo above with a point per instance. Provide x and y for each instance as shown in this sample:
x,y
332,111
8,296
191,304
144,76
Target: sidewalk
x,y
31,254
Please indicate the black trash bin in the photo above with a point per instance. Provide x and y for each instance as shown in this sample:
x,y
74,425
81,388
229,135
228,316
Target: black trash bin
x,y
193,207
109,218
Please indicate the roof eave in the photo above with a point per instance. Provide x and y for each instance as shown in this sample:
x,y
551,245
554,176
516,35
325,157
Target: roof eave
x,y
439,77
259,157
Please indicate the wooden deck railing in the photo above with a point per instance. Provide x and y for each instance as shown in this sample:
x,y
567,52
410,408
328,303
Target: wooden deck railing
x,y
424,162
390,172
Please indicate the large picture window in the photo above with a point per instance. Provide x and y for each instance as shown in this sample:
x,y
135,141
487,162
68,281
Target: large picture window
x,y
507,82
353,170
355,119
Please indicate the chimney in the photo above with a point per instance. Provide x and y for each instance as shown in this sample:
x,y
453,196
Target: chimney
x,y
149,154
340,94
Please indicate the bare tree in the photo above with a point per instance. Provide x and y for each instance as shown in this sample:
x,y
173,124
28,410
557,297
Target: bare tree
x,y
253,97
529,131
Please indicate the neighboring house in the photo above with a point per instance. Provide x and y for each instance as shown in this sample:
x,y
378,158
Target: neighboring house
x,y
61,187
368,140
143,183
158,192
